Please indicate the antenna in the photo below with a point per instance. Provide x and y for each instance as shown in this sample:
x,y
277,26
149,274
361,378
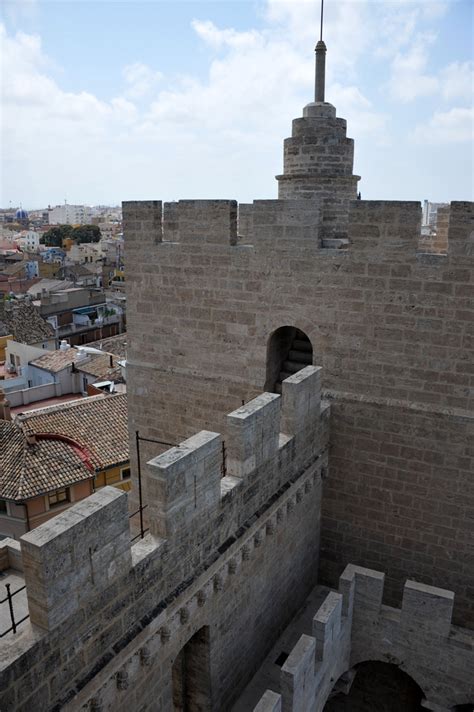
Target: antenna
x,y
320,79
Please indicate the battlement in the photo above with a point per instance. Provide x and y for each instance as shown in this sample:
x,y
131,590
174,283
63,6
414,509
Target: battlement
x,y
352,626
81,570
391,228
71,557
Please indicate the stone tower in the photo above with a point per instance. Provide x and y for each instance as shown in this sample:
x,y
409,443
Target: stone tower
x,y
222,297
318,159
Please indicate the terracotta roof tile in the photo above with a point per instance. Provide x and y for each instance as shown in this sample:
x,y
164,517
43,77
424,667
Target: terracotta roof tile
x,y
55,361
99,424
116,345
30,470
24,322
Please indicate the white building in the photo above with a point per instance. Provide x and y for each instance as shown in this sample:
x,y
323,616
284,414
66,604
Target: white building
x,y
86,252
430,212
29,241
69,215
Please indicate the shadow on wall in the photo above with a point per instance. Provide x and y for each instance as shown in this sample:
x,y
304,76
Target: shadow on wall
x,y
191,675
288,351
377,686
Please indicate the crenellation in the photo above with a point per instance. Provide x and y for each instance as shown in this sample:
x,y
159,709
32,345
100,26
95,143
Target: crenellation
x,y
253,434
75,554
270,702
10,555
159,592
206,221
297,676
352,627
427,608
183,486
327,625
301,403
142,221
461,230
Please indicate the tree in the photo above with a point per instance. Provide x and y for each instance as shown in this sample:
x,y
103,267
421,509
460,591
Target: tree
x,y
86,233
55,235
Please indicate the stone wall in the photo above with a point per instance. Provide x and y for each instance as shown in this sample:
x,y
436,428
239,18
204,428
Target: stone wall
x,y
353,626
407,505
231,557
391,325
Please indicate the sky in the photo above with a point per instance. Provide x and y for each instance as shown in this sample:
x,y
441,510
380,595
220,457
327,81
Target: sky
x,y
104,101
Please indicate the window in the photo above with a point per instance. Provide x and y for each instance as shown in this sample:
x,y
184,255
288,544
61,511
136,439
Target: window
x,y
126,473
3,507
59,497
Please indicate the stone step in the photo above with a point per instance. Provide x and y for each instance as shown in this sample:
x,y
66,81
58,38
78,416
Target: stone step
x,y
335,243
300,345
292,366
304,357
284,375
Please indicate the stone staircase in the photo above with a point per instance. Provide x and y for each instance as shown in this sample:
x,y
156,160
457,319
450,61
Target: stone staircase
x,y
299,356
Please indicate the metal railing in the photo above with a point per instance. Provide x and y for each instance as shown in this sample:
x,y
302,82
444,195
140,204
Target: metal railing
x,y
9,598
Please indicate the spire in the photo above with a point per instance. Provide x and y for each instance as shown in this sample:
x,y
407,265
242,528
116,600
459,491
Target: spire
x,y
320,64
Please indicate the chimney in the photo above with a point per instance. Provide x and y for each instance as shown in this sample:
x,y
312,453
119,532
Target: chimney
x,y
4,407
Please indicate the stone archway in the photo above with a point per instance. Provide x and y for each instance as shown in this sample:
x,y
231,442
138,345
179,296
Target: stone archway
x,y
191,675
288,351
377,686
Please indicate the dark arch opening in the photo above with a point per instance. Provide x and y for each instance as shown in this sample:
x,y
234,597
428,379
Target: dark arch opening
x,y
376,686
469,707
288,351
191,675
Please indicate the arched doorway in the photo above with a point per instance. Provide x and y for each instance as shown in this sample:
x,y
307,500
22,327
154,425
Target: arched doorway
x,y
191,675
288,351
378,686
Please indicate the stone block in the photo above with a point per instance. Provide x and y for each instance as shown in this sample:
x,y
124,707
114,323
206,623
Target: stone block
x,y
366,592
427,608
183,484
141,224
253,434
72,557
207,221
327,624
298,674
270,702
301,401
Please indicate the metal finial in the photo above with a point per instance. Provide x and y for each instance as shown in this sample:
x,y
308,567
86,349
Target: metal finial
x,y
320,79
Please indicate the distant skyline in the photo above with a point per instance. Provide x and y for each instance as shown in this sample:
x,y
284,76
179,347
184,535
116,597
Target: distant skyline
x,y
105,101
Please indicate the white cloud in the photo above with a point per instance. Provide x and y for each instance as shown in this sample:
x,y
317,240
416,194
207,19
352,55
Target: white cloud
x,y
453,126
140,79
362,118
409,79
222,132
20,11
457,81
218,38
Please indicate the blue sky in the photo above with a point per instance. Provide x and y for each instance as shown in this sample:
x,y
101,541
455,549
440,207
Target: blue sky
x,y
107,101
